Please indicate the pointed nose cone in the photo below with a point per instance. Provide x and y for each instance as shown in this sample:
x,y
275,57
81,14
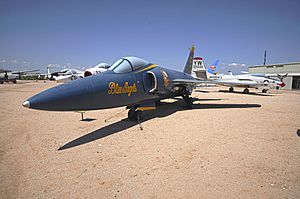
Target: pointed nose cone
x,y
26,104
74,96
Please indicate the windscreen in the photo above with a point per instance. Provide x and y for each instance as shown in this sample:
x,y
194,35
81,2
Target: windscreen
x,y
121,66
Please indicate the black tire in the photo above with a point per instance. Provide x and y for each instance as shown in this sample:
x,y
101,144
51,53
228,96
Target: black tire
x,y
132,115
188,101
190,104
246,90
264,90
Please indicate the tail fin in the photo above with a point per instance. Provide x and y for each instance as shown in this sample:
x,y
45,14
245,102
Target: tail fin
x,y
213,67
48,71
198,64
198,69
189,62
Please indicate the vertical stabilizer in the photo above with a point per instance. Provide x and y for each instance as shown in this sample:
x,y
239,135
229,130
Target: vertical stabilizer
x,y
213,67
48,71
265,57
198,69
198,64
189,62
48,76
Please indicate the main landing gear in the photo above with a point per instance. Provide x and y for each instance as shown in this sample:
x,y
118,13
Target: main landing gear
x,y
264,90
246,91
188,100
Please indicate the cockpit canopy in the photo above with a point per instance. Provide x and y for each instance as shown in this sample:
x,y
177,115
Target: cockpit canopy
x,y
128,64
102,65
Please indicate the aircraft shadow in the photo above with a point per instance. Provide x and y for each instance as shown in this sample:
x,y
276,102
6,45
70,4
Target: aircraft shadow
x,y
207,99
88,120
200,91
250,93
163,110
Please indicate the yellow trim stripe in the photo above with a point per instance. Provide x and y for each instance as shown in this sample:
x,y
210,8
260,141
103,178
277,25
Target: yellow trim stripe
x,y
146,108
149,67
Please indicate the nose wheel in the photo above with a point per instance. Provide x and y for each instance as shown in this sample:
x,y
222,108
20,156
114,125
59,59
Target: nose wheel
x,y
135,115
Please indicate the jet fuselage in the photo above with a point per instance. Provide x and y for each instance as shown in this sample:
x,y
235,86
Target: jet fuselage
x,y
110,89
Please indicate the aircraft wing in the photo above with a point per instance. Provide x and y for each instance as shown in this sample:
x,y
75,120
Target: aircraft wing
x,y
25,71
190,82
3,70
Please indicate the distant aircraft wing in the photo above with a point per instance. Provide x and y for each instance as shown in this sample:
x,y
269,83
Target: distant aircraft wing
x,y
24,72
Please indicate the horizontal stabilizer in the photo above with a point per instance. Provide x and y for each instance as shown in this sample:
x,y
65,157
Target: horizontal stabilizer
x,y
190,82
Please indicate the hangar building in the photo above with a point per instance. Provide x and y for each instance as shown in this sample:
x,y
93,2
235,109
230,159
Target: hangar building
x,y
292,81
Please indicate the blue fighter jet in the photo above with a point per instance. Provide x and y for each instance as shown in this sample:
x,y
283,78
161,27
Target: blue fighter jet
x,y
130,81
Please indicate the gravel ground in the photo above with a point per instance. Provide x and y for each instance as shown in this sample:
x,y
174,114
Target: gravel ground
x,y
231,145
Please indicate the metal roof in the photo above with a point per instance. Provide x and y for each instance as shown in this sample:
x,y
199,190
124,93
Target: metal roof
x,y
291,63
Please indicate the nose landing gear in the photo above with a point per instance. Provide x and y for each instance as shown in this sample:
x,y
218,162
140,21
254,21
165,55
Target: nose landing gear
x,y
135,115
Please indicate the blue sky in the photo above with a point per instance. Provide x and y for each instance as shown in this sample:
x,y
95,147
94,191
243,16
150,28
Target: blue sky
x,y
82,33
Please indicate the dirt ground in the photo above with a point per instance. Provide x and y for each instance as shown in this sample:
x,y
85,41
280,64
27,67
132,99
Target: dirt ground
x,y
231,145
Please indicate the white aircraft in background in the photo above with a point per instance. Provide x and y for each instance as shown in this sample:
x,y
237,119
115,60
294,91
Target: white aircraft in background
x,y
9,76
244,80
67,75
99,68
249,81
72,74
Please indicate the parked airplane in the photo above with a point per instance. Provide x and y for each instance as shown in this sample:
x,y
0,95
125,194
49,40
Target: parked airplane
x,y
244,80
213,67
249,81
9,76
100,68
130,81
199,70
68,75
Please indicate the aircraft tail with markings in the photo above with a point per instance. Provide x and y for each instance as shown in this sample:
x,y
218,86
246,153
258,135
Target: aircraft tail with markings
x,y
189,62
213,67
